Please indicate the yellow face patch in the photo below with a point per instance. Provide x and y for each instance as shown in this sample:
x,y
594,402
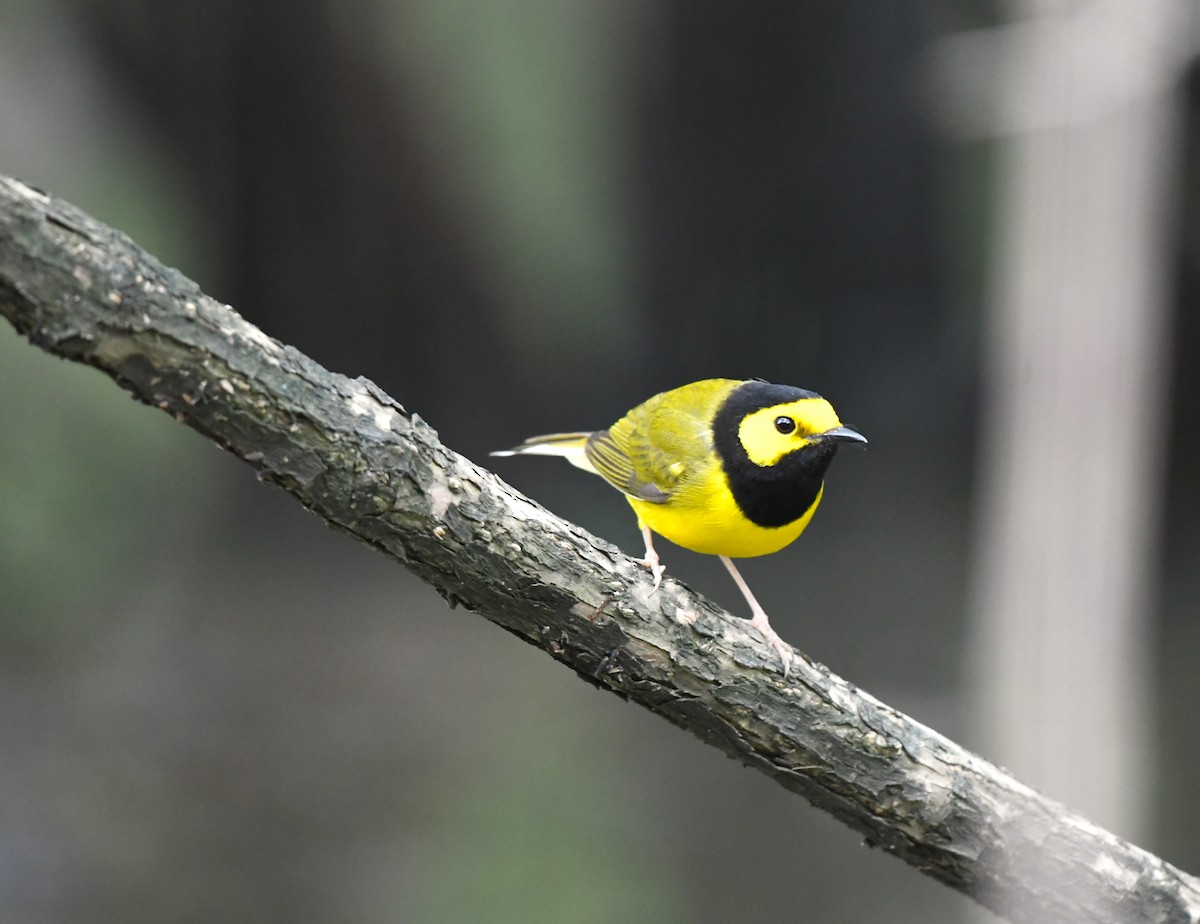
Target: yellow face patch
x,y
771,433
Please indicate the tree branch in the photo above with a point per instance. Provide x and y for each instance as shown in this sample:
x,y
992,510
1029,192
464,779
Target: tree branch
x,y
367,466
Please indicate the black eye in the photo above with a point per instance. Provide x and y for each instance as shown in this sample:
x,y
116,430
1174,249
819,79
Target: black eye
x,y
785,424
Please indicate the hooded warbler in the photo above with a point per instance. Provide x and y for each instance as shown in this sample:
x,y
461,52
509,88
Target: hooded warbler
x,y
724,467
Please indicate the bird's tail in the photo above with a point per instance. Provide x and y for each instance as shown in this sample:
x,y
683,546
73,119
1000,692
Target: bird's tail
x,y
568,445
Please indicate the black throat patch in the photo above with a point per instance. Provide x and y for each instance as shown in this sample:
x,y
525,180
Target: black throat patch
x,y
769,495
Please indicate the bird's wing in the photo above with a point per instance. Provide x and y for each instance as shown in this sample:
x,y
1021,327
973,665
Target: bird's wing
x,y
663,445
611,460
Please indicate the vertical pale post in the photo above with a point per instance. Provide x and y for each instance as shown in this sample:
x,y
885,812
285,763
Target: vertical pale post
x,y
1075,392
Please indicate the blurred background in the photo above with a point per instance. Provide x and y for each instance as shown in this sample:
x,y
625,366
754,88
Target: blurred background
x,y
973,226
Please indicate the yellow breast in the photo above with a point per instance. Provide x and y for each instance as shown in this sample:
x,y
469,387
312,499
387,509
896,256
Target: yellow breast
x,y
705,519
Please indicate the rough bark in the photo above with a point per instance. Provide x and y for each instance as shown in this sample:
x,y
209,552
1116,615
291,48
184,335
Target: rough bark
x,y
366,465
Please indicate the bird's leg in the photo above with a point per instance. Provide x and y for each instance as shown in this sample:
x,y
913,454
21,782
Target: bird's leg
x,y
759,619
651,562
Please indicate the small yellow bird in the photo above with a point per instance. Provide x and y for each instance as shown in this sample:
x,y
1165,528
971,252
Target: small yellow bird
x,y
724,467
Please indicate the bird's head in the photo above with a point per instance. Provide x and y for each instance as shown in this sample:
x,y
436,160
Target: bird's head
x,y
777,420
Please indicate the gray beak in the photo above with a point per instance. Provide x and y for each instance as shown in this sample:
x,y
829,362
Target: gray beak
x,y
844,435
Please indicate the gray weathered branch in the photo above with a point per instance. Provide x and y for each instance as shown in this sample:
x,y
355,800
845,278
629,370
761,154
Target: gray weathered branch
x,y
362,462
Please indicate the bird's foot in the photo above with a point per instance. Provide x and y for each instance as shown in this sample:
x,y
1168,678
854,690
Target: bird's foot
x,y
651,562
655,567
787,654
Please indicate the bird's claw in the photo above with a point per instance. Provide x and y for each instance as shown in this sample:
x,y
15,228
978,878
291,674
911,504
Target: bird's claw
x,y
654,567
787,654
651,562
